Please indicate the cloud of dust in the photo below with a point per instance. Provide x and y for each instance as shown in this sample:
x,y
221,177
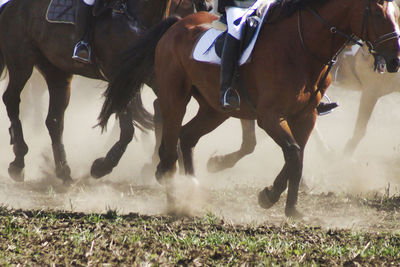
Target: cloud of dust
x,y
231,194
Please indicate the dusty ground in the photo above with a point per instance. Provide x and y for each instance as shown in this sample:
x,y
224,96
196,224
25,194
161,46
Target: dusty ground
x,y
343,192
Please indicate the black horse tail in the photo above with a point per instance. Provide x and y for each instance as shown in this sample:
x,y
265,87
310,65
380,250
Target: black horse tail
x,y
2,66
142,119
131,70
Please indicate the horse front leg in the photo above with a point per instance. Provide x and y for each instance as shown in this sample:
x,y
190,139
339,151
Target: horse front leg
x,y
11,99
58,84
368,100
222,162
280,132
105,165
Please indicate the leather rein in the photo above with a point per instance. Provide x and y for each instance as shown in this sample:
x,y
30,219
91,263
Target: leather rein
x,y
350,39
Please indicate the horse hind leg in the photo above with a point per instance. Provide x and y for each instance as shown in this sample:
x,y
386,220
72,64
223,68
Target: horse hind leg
x,y
12,98
149,168
222,162
58,83
103,166
205,121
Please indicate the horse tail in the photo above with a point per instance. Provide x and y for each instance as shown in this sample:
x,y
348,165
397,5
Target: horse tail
x,y
142,119
131,71
3,73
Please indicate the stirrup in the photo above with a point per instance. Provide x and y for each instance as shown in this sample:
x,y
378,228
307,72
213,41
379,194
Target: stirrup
x,y
82,46
230,99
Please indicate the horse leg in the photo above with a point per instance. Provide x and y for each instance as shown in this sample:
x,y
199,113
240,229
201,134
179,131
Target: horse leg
x,y
280,132
219,163
12,98
149,168
58,83
368,100
301,129
171,126
205,121
103,166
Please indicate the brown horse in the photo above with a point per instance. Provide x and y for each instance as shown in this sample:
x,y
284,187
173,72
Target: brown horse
x,y
28,40
285,79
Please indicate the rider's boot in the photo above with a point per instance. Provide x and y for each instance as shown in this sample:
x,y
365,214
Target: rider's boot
x,y
229,97
324,108
82,51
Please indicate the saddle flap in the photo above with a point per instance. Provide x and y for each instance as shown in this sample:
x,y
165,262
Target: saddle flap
x,y
61,11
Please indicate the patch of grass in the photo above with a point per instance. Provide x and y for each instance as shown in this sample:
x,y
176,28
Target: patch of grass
x,y
62,238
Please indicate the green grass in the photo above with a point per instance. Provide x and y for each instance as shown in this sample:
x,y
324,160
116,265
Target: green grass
x,y
46,237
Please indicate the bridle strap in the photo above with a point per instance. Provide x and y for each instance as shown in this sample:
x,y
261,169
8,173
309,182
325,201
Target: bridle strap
x,y
381,39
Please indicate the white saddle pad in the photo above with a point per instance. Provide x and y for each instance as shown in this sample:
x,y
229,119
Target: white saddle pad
x,y
3,2
204,50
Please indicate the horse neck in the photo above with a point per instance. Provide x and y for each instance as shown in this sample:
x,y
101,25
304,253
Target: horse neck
x,y
318,38
149,12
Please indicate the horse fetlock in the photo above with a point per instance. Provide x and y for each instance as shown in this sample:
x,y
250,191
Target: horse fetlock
x,y
164,175
100,167
63,171
350,147
266,198
20,149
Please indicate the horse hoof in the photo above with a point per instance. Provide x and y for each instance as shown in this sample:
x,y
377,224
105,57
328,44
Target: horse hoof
x,y
16,173
349,148
215,164
159,177
99,169
68,181
265,200
293,213
148,171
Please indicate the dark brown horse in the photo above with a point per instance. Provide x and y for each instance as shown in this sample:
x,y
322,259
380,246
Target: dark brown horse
x,y
284,81
28,40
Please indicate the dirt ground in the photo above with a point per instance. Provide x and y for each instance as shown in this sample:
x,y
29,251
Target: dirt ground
x,y
338,186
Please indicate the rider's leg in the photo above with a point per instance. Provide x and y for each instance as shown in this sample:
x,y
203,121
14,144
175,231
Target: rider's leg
x,y
82,50
230,98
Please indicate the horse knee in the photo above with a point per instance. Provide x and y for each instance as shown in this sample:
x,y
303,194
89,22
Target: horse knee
x,y
292,156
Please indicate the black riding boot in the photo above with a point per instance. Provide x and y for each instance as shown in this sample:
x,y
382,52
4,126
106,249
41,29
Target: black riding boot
x,y
229,97
325,108
82,50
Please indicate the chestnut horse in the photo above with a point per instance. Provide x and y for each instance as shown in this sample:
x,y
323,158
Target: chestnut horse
x,y
285,79
28,40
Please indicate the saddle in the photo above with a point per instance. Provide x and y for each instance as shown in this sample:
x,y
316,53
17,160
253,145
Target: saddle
x,y
249,21
63,11
249,30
